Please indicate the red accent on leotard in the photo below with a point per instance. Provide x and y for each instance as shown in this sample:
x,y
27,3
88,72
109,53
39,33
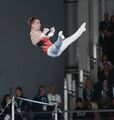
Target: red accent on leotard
x,y
44,44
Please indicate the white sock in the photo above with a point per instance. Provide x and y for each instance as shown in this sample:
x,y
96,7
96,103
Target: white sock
x,y
60,34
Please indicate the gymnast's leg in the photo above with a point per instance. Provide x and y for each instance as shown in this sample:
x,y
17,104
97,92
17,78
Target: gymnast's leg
x,y
72,38
55,51
60,39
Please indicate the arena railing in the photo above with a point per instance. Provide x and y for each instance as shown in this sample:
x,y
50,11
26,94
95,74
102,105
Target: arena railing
x,y
30,115
56,114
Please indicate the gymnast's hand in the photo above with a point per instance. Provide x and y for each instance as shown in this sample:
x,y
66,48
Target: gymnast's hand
x,y
45,31
52,31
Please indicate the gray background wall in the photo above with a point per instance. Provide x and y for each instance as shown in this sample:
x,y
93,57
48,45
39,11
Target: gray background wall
x,y
20,62
110,6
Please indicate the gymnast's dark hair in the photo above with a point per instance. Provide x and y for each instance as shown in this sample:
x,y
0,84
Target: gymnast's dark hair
x,y
32,19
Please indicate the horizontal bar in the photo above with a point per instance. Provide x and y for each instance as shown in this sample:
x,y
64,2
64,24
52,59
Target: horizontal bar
x,y
38,102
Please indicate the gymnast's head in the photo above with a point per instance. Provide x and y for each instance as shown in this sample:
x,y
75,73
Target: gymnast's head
x,y
34,23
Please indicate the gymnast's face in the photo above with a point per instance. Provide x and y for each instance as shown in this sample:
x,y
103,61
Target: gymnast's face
x,y
36,25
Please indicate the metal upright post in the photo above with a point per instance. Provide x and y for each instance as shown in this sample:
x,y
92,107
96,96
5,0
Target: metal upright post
x,y
81,78
13,108
94,34
65,99
70,27
56,117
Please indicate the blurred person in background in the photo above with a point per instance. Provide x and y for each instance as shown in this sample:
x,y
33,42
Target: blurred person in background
x,y
6,115
107,73
41,96
21,106
79,113
104,32
111,114
104,61
104,97
94,106
53,96
88,91
111,40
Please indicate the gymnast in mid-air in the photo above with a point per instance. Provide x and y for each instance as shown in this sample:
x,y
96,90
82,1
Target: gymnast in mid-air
x,y
42,39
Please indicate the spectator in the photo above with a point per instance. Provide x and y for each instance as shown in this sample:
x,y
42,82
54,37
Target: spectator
x,y
79,113
24,106
112,26
111,41
88,91
21,106
104,32
105,95
103,62
6,114
94,106
103,26
106,74
111,114
41,97
53,96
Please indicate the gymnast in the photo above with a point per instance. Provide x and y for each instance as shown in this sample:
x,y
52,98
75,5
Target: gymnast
x,y
42,39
